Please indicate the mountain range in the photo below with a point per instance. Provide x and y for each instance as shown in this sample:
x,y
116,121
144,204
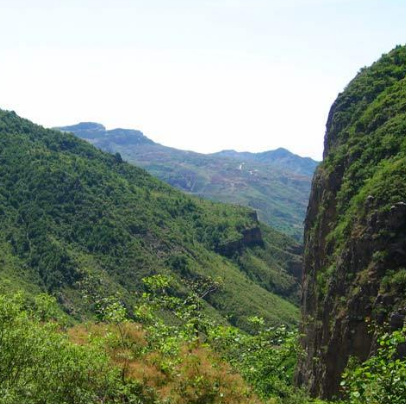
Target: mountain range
x,y
274,183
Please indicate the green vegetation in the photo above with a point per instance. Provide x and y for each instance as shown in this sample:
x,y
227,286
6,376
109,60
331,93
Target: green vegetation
x,y
367,139
190,359
367,143
38,364
118,361
382,378
276,183
75,220
365,157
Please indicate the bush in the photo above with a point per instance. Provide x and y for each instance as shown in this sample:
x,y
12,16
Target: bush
x,y
382,378
39,365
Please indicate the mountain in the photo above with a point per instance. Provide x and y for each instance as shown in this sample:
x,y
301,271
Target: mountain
x,y
74,219
355,230
280,159
275,183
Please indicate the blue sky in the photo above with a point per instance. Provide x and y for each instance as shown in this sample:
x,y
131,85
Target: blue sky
x,y
200,75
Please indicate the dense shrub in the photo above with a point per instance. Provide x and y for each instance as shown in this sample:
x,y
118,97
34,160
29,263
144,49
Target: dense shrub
x,y
39,365
382,378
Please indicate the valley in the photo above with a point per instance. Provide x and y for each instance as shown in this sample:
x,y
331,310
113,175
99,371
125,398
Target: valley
x,y
136,273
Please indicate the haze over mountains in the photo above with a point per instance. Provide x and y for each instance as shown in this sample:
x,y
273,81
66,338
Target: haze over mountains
x,y
275,183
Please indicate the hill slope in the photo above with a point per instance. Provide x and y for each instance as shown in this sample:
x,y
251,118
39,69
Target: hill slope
x,y
355,236
72,215
275,183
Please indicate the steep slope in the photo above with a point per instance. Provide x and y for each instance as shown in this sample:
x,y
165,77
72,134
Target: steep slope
x,y
355,230
74,219
275,183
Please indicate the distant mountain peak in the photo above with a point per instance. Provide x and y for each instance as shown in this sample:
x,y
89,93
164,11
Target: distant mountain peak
x,y
84,126
88,130
227,151
97,132
281,151
90,126
280,157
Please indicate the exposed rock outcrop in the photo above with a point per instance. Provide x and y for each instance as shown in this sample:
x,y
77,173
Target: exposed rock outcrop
x,y
249,238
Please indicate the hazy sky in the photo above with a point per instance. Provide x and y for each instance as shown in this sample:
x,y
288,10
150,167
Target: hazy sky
x,y
193,74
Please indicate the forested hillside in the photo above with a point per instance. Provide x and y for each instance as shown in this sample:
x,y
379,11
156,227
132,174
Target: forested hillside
x,y
76,221
275,183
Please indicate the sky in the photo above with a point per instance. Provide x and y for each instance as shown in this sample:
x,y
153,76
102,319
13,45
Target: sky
x,y
201,75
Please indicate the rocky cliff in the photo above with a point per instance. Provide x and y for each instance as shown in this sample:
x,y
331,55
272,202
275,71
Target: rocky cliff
x,y
354,280
249,238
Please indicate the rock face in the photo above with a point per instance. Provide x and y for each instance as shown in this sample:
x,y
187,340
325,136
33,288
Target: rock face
x,y
355,231
249,238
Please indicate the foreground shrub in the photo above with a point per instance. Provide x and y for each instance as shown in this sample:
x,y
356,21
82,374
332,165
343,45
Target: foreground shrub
x,y
39,365
188,373
382,378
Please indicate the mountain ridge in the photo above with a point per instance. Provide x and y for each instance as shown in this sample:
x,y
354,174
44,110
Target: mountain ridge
x,y
96,127
281,157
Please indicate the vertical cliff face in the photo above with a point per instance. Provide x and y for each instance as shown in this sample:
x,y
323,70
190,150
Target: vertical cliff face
x,y
355,229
